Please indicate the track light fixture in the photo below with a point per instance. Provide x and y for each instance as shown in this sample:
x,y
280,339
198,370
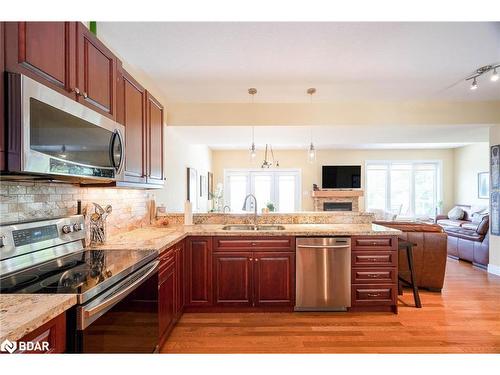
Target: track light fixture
x,y
473,86
482,70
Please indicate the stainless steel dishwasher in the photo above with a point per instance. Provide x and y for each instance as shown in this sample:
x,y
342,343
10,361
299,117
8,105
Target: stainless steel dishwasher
x,y
323,274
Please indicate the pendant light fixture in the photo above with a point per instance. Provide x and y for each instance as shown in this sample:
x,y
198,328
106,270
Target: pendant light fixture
x,y
253,151
311,152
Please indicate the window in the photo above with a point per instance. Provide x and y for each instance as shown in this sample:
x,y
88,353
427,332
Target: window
x,y
405,188
280,187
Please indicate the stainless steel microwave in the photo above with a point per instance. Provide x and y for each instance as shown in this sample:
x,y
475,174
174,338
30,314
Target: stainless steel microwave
x,y
50,134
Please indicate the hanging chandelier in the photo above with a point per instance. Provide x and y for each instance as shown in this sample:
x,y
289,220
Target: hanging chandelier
x,y
271,162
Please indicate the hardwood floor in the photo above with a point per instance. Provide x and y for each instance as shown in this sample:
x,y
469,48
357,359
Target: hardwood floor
x,y
464,318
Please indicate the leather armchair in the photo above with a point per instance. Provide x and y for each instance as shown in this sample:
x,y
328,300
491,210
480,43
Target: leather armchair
x,y
429,254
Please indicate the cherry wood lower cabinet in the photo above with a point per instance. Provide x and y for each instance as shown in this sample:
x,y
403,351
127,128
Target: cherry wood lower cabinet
x,y
170,289
374,275
53,332
198,272
254,272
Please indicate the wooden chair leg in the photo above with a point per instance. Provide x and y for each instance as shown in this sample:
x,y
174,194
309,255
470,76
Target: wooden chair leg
x,y
416,296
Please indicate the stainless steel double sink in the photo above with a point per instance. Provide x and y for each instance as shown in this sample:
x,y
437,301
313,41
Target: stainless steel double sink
x,y
237,227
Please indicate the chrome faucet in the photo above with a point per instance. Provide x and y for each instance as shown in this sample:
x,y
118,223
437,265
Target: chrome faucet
x,y
255,209
224,209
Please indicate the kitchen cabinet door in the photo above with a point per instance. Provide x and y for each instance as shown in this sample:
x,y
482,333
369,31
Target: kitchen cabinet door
x,y
44,51
179,270
53,332
166,301
154,120
233,279
199,272
96,73
134,120
274,279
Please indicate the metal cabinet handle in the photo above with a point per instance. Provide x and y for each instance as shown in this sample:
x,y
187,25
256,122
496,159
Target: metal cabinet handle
x,y
256,260
250,259
76,90
373,294
372,259
373,275
85,95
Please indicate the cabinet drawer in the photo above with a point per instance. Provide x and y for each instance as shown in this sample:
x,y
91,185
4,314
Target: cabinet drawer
x,y
373,294
374,275
374,258
374,243
239,243
167,258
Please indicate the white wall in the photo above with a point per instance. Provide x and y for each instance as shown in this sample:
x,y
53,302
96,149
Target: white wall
x,y
179,155
494,265
469,161
311,174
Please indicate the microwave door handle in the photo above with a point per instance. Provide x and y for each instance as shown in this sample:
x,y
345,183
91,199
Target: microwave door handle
x,y
118,166
88,313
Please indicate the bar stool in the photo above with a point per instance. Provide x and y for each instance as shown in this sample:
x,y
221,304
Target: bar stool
x,y
408,246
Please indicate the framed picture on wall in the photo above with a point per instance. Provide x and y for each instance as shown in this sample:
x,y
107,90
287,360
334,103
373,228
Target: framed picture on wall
x,y
495,213
210,185
192,186
203,187
495,167
483,185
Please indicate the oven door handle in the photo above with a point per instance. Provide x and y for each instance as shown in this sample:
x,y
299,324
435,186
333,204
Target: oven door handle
x,y
117,296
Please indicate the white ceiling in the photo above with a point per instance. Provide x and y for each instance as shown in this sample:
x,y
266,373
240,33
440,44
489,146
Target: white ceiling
x,y
217,62
332,137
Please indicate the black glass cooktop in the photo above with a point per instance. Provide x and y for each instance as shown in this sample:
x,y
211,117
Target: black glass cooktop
x,y
83,273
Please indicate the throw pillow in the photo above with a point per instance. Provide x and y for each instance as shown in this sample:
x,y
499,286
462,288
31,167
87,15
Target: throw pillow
x,y
456,213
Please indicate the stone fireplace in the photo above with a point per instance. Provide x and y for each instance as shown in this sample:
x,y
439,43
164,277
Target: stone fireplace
x,y
337,200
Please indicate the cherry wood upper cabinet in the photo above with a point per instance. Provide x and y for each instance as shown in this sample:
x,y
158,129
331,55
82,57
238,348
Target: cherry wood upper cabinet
x,y
274,280
96,73
154,121
132,107
233,278
44,51
199,271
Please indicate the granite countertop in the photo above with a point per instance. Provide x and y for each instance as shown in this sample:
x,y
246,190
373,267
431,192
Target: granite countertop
x,y
22,313
160,238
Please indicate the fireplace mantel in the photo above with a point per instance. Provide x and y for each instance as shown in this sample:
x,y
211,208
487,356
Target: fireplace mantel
x,y
321,197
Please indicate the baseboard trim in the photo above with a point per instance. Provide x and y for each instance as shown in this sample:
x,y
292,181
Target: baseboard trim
x,y
494,269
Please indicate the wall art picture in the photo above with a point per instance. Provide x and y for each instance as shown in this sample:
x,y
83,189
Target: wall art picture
x,y
483,185
495,167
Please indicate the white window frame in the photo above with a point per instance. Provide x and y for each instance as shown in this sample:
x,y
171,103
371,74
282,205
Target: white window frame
x,y
275,173
388,163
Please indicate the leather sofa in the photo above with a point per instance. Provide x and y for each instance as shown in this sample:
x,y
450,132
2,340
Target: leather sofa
x,y
467,240
429,254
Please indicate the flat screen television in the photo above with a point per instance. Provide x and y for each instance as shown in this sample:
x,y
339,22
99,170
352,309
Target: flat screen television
x,y
341,177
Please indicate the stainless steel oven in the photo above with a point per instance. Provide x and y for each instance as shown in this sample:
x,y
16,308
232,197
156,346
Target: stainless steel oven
x,y
51,134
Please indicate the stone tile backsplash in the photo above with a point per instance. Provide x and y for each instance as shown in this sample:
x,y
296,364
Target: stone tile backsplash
x,y
21,201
